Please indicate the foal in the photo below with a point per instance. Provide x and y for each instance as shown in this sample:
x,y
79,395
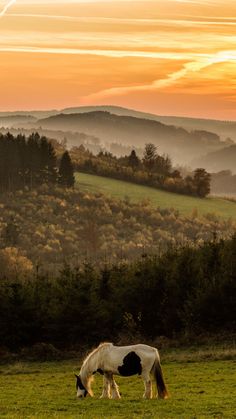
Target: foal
x,y
125,361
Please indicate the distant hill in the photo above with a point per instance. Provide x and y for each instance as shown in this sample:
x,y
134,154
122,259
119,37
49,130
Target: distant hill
x,y
35,114
224,184
67,137
222,128
188,141
11,120
180,144
224,159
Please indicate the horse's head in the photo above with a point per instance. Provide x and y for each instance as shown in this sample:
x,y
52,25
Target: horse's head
x,y
81,390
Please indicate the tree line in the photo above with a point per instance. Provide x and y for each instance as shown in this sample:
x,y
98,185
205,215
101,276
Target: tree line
x,y
185,290
152,169
30,162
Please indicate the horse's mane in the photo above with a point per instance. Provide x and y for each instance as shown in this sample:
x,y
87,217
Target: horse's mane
x,y
102,345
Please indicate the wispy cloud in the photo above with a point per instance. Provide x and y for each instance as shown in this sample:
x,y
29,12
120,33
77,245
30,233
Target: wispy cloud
x,y
171,79
6,7
102,52
202,3
231,21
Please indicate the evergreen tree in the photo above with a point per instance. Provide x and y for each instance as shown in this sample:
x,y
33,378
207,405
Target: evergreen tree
x,y
26,162
163,165
66,171
48,161
33,159
133,160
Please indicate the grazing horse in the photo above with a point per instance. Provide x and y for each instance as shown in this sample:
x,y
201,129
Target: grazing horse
x,y
110,360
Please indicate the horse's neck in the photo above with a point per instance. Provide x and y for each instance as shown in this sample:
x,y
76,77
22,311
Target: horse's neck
x,y
90,366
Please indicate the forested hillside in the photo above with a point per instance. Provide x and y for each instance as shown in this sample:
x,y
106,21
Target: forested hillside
x,y
48,226
44,223
185,291
128,267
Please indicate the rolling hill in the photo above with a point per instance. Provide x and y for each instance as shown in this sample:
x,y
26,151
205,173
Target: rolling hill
x,y
224,159
184,204
223,128
180,144
15,120
188,141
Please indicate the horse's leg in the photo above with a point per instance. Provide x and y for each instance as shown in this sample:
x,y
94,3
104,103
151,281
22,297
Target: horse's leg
x,y
148,386
114,388
106,387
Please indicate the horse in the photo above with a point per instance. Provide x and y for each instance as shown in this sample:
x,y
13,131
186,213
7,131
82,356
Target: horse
x,y
109,360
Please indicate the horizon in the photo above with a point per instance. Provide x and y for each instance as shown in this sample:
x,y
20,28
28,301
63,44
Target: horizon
x,y
165,58
19,111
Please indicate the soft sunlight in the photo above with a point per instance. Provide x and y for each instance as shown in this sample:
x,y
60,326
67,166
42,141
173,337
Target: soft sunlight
x,y
148,54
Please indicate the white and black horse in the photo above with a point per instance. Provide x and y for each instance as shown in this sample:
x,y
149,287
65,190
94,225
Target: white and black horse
x,y
110,360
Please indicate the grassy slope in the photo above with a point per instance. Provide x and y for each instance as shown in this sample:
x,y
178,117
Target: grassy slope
x,y
198,390
162,199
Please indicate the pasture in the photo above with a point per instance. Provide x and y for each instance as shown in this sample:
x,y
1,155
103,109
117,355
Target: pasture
x,y
201,389
158,198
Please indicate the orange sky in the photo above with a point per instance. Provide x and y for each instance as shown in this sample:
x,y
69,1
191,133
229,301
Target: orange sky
x,y
171,57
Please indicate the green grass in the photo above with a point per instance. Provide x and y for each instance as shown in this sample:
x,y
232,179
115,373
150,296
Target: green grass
x,y
184,204
47,390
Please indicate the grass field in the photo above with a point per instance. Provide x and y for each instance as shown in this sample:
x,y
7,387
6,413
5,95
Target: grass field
x,y
184,204
47,390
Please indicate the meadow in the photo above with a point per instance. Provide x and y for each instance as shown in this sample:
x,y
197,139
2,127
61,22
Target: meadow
x,y
158,198
199,389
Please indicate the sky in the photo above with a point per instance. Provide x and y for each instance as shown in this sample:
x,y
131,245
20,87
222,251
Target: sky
x,y
170,57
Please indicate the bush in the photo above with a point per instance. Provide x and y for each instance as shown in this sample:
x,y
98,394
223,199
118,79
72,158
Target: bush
x,y
41,352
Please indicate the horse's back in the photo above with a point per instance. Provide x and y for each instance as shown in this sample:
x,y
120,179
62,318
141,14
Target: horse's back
x,y
129,360
138,348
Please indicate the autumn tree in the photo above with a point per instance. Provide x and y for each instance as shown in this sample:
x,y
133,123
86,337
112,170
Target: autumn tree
x,y
10,233
14,265
202,181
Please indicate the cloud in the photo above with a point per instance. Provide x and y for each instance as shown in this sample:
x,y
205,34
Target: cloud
x,y
171,79
6,7
231,21
102,52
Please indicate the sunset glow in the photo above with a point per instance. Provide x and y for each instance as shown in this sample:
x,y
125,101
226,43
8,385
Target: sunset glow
x,y
172,57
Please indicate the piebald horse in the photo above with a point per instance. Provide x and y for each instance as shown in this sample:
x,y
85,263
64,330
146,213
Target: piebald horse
x,y
125,361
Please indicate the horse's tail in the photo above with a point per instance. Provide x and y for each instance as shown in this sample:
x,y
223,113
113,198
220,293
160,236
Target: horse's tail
x,y
158,375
